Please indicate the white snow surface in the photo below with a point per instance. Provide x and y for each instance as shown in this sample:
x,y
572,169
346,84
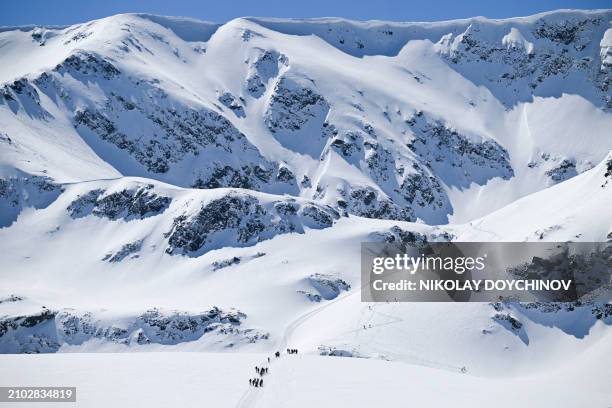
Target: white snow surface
x,y
160,168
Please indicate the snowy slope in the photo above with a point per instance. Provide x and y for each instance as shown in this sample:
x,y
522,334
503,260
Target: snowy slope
x,y
168,184
135,98
191,379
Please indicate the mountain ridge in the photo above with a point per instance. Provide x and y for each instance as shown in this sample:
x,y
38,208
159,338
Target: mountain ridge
x,y
141,171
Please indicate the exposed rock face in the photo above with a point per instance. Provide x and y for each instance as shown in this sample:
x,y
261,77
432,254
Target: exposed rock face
x,y
313,297
508,321
293,105
442,149
88,64
15,334
265,65
233,103
253,177
369,203
565,170
47,331
184,132
225,263
21,96
24,191
130,249
608,173
550,50
588,269
169,132
513,316
128,204
329,287
296,115
246,219
336,352
410,181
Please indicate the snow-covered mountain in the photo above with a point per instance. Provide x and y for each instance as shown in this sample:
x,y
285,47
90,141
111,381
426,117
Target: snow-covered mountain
x,y
174,184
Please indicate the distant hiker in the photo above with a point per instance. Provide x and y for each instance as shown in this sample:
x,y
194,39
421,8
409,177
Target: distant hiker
x,y
277,354
261,383
268,359
266,370
250,381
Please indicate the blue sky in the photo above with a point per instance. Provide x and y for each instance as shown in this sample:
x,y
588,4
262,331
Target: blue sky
x,y
14,12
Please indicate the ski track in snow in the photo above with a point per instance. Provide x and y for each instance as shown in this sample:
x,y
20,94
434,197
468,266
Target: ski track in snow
x,y
252,394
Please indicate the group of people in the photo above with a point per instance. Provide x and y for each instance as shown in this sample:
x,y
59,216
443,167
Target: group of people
x,y
258,382
261,370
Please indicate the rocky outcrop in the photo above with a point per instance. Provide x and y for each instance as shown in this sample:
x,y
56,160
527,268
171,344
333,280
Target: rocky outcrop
x,y
246,219
264,65
130,249
293,105
128,204
88,64
328,286
233,103
454,158
526,58
369,203
46,331
170,134
22,191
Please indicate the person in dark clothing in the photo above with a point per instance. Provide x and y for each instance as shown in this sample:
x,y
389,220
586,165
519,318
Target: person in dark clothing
x,y
250,381
268,359
261,383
